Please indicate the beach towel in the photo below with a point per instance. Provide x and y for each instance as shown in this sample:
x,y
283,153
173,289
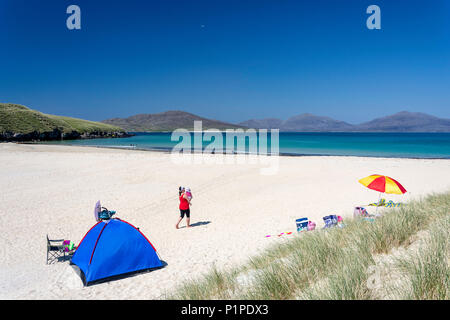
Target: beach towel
x,y
380,203
392,204
383,203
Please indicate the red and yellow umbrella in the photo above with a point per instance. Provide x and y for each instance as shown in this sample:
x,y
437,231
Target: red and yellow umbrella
x,y
383,184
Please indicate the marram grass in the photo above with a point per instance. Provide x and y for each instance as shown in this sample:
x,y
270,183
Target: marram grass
x,y
427,272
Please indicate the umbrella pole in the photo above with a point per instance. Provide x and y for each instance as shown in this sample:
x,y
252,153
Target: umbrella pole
x,y
379,198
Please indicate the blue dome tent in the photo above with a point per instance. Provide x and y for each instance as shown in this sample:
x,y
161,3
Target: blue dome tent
x,y
112,248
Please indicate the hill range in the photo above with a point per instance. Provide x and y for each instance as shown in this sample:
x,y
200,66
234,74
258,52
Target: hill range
x,y
400,122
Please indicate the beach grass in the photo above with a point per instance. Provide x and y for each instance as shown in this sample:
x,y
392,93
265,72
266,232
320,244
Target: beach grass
x,y
427,275
336,263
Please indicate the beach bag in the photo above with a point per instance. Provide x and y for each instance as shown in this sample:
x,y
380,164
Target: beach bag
x,y
311,225
340,222
68,245
302,224
188,193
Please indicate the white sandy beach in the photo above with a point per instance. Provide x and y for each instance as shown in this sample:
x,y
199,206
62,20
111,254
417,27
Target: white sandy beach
x,y
53,189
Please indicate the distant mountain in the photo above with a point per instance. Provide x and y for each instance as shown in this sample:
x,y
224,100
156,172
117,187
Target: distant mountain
x,y
269,123
310,123
167,121
400,122
19,123
305,122
407,122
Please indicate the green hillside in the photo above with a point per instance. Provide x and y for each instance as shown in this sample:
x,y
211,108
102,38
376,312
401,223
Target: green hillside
x,y
18,122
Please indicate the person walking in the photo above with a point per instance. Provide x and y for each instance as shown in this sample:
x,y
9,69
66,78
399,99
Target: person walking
x,y
184,207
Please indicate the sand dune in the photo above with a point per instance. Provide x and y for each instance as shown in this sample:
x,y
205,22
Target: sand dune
x,y
52,190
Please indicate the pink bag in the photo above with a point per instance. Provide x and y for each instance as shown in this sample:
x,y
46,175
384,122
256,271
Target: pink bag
x,y
311,225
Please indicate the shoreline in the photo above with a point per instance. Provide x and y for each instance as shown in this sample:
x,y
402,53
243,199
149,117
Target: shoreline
x,y
281,154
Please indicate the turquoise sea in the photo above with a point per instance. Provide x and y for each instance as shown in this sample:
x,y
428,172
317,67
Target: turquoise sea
x,y
401,145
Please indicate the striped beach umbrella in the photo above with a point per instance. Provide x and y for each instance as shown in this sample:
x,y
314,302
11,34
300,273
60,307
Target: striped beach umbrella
x,y
382,184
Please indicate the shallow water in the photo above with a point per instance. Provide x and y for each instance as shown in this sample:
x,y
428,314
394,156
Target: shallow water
x,y
402,145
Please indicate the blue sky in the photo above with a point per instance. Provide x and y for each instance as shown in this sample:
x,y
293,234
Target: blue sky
x,y
226,59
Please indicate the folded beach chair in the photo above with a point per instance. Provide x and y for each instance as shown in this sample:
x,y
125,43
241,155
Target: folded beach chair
x,y
330,221
360,212
302,224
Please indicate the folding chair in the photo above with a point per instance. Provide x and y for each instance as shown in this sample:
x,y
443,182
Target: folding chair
x,y
302,224
330,221
359,212
55,250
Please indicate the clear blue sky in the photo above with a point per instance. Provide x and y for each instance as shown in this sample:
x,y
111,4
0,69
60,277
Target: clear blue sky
x,y
226,59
